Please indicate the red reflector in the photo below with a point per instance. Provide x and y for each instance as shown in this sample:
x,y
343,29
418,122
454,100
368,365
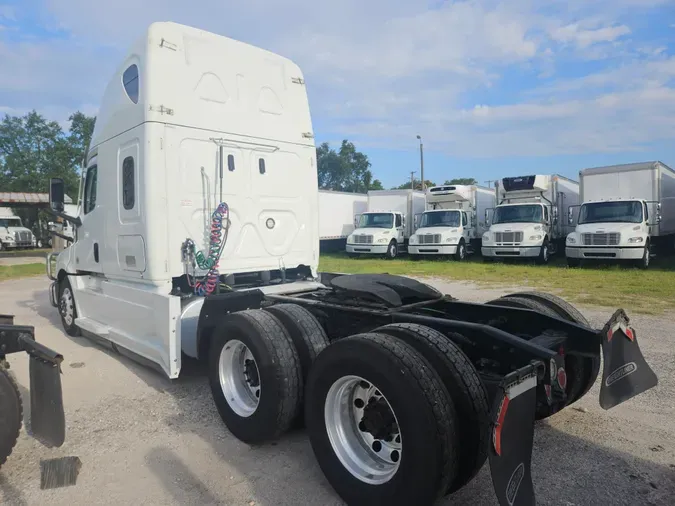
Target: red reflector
x,y
629,333
562,378
497,438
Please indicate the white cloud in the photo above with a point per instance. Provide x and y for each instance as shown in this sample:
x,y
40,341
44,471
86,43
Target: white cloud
x,y
583,38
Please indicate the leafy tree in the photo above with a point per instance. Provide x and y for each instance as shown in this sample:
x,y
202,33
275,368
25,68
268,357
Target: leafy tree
x,y
418,185
345,169
33,150
462,180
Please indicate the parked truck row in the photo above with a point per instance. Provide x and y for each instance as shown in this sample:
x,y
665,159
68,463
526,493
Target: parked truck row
x,y
614,213
405,392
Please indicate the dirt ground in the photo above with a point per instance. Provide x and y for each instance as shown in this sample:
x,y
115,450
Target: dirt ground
x,y
143,439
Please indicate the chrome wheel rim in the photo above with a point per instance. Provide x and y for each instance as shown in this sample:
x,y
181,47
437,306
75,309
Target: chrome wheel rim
x,y
67,306
363,430
239,378
461,251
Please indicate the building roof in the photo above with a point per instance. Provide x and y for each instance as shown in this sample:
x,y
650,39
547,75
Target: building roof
x,y
28,198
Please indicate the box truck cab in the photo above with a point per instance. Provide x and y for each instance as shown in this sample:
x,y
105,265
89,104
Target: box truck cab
x,y
526,222
387,225
626,212
453,223
12,232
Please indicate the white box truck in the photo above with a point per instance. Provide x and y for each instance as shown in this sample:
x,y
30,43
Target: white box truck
x,y
393,379
336,217
13,234
528,221
387,225
627,213
454,221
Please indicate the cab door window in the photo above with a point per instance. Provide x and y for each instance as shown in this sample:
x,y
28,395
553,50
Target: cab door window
x,y
399,222
90,184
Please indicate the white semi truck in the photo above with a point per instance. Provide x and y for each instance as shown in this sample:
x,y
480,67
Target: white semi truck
x,y
528,221
13,235
336,217
405,392
388,224
627,213
454,221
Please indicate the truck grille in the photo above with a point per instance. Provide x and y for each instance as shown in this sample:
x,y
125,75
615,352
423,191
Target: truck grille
x,y
509,237
24,237
363,239
430,238
601,239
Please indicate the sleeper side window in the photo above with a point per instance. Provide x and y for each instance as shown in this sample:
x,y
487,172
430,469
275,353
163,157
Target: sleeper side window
x,y
128,186
90,189
398,221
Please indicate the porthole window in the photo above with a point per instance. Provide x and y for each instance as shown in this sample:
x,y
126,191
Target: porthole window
x,y
130,82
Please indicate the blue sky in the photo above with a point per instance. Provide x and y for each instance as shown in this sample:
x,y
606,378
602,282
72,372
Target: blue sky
x,y
495,88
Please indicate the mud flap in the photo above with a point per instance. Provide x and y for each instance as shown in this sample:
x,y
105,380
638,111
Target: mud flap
x,y
512,441
625,371
47,417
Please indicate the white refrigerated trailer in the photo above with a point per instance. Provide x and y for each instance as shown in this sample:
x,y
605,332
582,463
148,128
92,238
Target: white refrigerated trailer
x,y
405,392
454,221
336,217
528,221
388,224
627,213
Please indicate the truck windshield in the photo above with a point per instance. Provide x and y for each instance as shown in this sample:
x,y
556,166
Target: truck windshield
x,y
376,220
10,222
518,214
440,219
611,212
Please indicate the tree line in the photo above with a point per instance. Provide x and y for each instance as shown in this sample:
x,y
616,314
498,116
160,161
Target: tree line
x,y
348,170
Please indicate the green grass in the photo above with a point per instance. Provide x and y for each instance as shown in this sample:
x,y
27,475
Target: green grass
x,y
24,252
651,291
21,271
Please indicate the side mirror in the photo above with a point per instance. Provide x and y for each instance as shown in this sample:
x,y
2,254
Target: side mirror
x,y
403,220
488,215
570,216
56,194
416,221
659,217
357,218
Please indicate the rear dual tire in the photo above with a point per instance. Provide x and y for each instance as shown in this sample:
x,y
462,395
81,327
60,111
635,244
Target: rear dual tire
x,y
11,414
258,363
582,372
358,456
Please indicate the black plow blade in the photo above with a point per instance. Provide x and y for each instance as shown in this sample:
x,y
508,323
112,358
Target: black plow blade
x,y
625,372
47,417
512,441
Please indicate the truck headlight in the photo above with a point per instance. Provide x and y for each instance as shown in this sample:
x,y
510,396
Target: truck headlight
x,y
486,236
451,239
571,240
535,238
635,240
384,239
413,239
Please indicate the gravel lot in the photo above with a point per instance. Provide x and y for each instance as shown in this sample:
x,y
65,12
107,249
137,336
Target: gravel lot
x,y
146,440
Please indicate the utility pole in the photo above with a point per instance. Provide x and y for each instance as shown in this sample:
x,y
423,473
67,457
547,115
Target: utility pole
x,y
490,181
412,179
419,137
